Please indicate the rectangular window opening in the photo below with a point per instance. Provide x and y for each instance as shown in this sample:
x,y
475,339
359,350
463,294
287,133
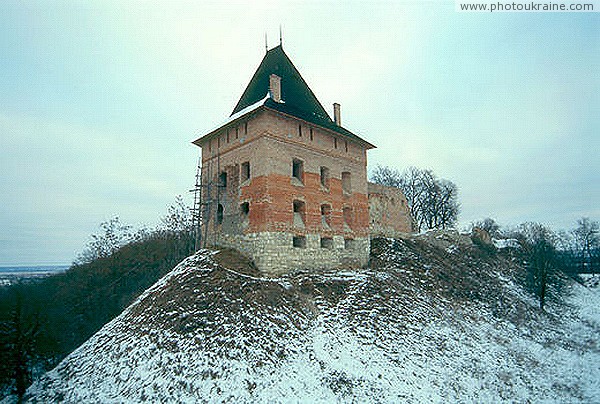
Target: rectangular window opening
x,y
326,215
299,241
245,171
244,209
297,169
348,244
299,208
347,213
326,242
311,134
220,214
346,182
223,180
325,177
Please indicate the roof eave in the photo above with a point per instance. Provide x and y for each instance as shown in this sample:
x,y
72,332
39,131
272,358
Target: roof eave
x,y
358,139
230,122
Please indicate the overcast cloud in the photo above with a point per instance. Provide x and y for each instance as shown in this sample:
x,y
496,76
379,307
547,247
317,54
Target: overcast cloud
x,y
99,102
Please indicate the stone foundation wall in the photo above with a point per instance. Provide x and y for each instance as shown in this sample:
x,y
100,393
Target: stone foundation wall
x,y
274,254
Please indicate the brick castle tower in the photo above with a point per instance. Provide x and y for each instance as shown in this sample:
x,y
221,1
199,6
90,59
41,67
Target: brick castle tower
x,y
286,184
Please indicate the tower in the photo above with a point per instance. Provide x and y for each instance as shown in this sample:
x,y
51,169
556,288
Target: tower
x,y
290,184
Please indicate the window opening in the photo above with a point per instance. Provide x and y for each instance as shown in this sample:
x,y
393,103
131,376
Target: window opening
x,y
326,215
244,210
348,217
245,171
346,182
326,242
325,177
223,179
299,208
297,169
220,214
299,241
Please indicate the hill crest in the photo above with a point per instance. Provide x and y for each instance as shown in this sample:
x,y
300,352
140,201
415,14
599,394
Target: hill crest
x,y
433,318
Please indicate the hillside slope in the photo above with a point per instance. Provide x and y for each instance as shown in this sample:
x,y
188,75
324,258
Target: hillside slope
x,y
434,318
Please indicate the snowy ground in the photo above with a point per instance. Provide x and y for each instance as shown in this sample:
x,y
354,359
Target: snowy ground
x,y
406,331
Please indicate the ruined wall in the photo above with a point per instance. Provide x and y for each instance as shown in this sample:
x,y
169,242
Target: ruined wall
x,y
389,214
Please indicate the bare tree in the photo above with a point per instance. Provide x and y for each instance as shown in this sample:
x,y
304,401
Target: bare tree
x,y
387,176
587,243
441,206
433,202
178,225
178,218
543,265
113,236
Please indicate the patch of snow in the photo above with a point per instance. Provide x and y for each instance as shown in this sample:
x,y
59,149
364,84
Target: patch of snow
x,y
506,243
452,249
240,113
361,337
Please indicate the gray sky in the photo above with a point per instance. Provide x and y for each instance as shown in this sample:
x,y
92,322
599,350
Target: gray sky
x,y
99,102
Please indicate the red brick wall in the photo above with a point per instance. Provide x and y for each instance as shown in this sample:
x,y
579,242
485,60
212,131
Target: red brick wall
x,y
271,199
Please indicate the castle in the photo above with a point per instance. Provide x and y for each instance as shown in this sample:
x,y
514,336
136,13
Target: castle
x,y
287,185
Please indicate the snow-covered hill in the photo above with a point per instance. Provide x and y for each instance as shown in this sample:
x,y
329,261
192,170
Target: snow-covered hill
x,y
434,319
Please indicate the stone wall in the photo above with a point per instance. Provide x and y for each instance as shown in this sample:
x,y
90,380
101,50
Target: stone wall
x,y
389,214
274,253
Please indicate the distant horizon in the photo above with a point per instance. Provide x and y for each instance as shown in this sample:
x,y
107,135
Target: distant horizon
x,y
2,266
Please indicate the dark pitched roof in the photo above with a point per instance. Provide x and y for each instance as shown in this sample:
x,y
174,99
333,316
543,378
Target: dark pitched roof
x,y
299,100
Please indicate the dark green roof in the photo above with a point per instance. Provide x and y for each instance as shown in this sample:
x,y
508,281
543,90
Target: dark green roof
x,y
299,100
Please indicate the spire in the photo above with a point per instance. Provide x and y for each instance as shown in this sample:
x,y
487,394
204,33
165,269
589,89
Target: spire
x,y
266,44
294,89
280,36
295,97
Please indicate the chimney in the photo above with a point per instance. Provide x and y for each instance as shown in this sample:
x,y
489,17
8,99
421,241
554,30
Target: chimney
x,y
337,114
275,87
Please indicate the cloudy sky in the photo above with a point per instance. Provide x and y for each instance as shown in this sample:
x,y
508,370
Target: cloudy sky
x,y
99,102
